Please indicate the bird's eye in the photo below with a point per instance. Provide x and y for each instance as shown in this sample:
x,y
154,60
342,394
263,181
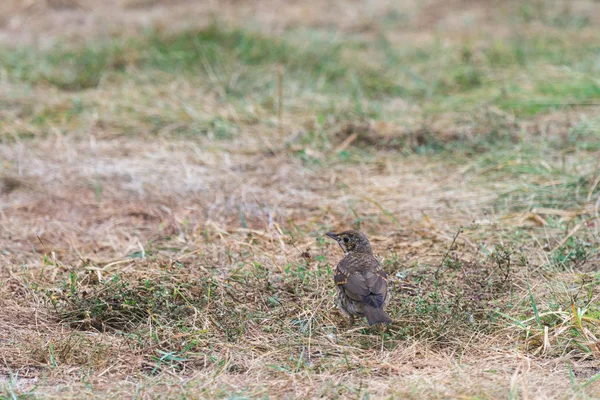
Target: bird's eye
x,y
346,240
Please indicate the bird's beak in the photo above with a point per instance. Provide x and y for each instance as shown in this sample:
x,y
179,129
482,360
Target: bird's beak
x,y
332,235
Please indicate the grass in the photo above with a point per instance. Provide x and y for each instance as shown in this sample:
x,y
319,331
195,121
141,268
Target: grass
x,y
165,195
524,75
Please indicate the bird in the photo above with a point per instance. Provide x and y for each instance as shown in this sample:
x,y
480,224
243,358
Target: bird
x,y
360,280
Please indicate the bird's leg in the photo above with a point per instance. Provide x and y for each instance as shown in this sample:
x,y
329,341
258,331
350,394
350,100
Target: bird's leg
x,y
350,321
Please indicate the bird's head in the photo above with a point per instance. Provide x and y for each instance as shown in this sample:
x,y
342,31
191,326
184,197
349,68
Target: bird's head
x,y
351,241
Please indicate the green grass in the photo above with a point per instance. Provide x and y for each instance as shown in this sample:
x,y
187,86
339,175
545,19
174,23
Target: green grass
x,y
525,75
541,178
213,53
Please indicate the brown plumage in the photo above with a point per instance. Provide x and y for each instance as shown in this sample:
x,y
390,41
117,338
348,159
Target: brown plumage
x,y
360,280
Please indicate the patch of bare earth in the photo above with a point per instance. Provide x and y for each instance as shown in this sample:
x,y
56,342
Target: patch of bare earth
x,y
67,193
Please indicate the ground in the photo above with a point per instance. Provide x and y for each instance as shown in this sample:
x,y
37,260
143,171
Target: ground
x,y
168,170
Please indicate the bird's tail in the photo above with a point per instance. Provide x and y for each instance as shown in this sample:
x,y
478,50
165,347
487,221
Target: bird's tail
x,y
376,316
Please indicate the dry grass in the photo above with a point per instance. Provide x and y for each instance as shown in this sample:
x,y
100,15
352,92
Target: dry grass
x,y
161,226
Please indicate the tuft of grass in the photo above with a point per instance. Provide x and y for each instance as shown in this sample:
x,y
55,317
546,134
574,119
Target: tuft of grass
x,y
564,321
458,296
68,69
117,304
573,255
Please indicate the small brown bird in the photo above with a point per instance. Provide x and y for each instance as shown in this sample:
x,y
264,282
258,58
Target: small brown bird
x,y
360,280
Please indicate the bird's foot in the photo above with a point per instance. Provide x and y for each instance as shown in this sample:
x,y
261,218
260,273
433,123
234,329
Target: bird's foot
x,y
350,322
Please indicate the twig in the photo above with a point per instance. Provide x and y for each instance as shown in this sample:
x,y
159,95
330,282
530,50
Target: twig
x,y
280,98
593,187
574,231
436,274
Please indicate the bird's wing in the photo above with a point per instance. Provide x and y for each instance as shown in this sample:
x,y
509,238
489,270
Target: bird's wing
x,y
361,283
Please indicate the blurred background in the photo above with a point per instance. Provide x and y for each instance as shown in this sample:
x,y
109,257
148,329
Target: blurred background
x,y
144,99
